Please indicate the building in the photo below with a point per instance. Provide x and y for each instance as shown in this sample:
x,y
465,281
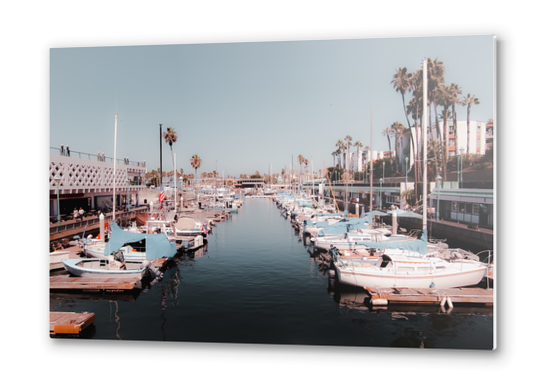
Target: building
x,y
87,181
458,139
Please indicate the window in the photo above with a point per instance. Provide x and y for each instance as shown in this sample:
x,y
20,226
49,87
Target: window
x,y
454,206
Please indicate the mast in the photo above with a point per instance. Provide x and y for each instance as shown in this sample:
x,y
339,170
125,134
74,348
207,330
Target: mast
x,y
115,167
371,163
424,127
161,170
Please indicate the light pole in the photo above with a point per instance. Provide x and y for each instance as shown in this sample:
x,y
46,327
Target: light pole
x,y
383,169
381,192
461,174
438,195
128,194
57,182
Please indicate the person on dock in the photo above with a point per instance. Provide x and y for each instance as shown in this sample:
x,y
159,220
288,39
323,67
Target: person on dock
x,y
68,150
75,213
81,213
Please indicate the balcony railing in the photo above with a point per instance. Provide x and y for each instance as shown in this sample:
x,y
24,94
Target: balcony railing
x,y
97,157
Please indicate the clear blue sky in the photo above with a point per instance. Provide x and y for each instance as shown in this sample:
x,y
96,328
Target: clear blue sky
x,y
244,106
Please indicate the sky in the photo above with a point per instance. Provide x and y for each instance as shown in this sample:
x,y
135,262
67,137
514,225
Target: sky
x,y
247,107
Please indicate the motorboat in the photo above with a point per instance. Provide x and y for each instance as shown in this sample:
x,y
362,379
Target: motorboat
x,y
93,267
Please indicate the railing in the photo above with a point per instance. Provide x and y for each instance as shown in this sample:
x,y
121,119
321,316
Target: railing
x,y
89,221
98,157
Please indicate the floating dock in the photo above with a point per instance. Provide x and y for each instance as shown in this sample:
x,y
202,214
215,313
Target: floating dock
x,y
431,296
94,284
69,323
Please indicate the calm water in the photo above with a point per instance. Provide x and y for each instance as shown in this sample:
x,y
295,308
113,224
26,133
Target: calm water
x,y
255,282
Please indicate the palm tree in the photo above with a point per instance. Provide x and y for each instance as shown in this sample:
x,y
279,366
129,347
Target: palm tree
x,y
358,145
402,83
348,141
300,159
446,101
341,146
397,130
455,91
387,132
170,137
435,77
468,101
195,162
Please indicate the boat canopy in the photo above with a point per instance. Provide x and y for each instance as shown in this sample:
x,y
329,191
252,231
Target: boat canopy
x,y
346,225
157,245
419,246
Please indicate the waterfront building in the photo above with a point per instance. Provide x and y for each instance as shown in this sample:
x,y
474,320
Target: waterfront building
x,y
85,180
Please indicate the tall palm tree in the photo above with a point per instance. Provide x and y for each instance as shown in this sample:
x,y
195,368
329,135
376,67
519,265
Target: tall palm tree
x,y
397,130
348,142
402,83
468,101
358,145
170,137
435,77
341,147
446,101
195,162
455,91
300,160
387,132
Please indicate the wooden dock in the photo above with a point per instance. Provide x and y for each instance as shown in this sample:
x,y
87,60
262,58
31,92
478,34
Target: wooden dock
x,y
94,284
69,323
431,296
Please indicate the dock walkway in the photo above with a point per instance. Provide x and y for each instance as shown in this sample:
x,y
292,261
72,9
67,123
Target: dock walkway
x,y
69,323
385,296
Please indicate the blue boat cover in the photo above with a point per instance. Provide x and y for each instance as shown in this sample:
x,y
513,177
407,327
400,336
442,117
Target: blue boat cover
x,y
419,246
346,225
157,245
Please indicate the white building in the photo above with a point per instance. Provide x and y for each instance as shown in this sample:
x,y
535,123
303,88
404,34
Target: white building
x,y
458,140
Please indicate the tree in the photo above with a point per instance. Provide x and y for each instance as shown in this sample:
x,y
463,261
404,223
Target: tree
x,y
402,83
358,145
468,101
170,137
435,77
341,147
195,162
387,132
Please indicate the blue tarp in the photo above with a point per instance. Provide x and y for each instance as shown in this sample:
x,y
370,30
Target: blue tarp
x,y
419,246
346,225
157,245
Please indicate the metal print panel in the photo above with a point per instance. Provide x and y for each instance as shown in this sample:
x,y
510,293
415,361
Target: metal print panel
x,y
327,193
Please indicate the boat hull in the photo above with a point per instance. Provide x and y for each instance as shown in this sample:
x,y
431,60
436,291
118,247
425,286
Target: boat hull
x,y
371,278
92,268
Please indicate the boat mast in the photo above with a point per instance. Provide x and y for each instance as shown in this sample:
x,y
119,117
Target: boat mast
x,y
424,127
115,167
371,164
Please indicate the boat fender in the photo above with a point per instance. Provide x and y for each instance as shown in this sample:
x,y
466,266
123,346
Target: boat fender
x,y
379,302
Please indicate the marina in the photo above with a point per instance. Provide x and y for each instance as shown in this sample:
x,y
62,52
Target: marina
x,y
266,286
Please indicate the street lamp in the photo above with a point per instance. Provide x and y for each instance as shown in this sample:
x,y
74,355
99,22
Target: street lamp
x,y
128,194
461,174
438,196
57,182
381,180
